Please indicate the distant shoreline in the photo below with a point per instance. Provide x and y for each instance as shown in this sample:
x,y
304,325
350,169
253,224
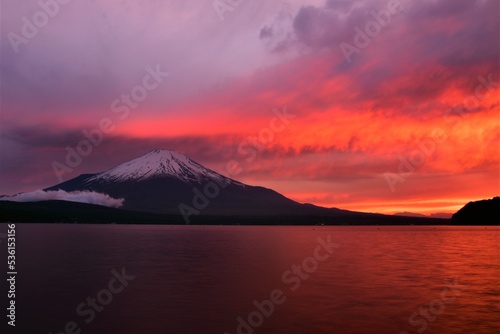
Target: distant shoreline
x,y
64,212
61,212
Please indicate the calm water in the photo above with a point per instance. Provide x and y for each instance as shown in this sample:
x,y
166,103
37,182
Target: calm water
x,y
191,279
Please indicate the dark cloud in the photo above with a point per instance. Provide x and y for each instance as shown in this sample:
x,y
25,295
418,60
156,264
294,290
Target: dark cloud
x,y
266,32
432,30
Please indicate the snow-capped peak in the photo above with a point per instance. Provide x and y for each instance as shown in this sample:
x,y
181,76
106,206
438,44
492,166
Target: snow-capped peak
x,y
160,163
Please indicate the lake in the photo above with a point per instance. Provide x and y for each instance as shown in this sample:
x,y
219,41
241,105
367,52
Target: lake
x,y
244,279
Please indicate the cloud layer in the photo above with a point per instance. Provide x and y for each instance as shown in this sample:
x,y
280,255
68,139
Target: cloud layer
x,y
90,197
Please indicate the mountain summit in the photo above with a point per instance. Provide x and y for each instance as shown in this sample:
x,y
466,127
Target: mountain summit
x,y
158,164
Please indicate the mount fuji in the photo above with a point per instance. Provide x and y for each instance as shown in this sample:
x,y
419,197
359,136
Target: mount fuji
x,y
164,181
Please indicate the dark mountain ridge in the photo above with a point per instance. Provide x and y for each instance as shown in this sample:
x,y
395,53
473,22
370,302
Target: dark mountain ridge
x,y
483,212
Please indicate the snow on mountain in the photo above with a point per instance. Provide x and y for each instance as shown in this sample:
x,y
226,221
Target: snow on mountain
x,y
161,163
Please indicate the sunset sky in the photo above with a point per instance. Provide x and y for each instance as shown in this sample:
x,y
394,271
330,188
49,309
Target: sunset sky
x,y
391,106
